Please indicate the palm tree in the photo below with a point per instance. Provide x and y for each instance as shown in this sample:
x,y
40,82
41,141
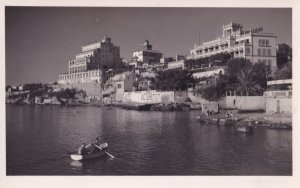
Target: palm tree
x,y
247,83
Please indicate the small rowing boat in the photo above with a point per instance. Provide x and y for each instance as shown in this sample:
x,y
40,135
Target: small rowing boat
x,y
99,153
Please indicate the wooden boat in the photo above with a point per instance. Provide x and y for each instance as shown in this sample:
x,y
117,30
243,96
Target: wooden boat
x,y
245,129
102,152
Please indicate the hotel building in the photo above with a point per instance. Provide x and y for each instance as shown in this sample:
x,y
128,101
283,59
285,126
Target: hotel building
x,y
85,68
250,44
84,71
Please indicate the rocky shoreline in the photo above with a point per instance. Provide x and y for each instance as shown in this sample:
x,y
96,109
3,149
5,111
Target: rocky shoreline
x,y
255,120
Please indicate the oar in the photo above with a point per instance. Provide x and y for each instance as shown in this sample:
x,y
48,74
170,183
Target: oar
x,y
105,152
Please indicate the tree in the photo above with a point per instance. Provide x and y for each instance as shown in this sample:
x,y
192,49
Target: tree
x,y
173,80
241,76
285,73
247,83
284,55
214,90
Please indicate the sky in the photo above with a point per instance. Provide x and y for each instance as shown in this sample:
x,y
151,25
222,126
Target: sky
x,y
39,41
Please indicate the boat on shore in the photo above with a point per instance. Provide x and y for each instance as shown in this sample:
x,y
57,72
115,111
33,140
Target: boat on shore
x,y
103,148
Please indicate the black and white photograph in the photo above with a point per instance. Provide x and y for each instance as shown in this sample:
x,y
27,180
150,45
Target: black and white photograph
x,y
148,91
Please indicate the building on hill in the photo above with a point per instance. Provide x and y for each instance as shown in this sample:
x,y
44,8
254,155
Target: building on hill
x,y
208,71
121,83
177,63
147,55
84,71
254,45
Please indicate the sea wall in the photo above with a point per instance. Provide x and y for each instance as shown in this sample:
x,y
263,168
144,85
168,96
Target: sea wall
x,y
195,98
180,96
245,102
147,97
278,105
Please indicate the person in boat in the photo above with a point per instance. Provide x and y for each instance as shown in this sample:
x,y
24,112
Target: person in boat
x,y
81,149
97,142
227,114
207,112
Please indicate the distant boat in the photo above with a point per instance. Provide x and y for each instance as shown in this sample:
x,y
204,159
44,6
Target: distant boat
x,y
102,152
245,129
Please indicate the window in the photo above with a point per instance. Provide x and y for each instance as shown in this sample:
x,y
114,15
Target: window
x,y
259,42
258,52
119,86
267,42
264,52
269,52
247,51
263,43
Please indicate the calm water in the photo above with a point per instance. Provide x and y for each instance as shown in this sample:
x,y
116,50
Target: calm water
x,y
39,140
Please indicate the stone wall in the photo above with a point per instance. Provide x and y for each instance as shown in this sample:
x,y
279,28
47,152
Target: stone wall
x,y
246,102
279,105
196,98
180,96
92,90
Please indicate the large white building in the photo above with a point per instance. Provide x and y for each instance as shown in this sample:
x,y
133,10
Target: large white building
x,y
85,68
254,45
84,71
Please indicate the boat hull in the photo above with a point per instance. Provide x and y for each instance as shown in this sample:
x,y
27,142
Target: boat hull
x,y
79,157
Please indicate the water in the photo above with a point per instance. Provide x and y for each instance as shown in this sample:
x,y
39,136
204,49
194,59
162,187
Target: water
x,y
39,140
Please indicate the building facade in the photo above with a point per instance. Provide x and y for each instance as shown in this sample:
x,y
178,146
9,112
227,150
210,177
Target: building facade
x,y
177,63
84,71
250,44
147,54
278,97
85,68
123,82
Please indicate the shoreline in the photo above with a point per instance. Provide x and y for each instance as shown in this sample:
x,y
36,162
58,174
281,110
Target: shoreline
x,y
258,119
273,121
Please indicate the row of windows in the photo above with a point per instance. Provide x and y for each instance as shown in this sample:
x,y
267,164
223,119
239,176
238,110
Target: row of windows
x,y
263,42
263,52
77,69
79,61
82,75
84,55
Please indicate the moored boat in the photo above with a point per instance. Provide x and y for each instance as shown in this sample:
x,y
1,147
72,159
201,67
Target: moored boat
x,y
245,129
103,148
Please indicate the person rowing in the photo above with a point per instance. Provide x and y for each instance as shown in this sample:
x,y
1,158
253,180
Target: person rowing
x,y
96,145
81,149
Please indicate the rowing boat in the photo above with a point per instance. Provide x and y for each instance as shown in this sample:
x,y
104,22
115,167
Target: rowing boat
x,y
103,150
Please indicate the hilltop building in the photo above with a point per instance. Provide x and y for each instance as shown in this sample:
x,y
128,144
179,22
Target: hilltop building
x,y
116,86
177,63
84,71
250,44
147,54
